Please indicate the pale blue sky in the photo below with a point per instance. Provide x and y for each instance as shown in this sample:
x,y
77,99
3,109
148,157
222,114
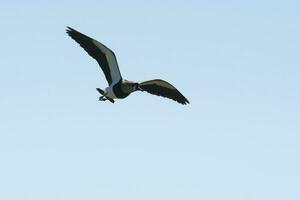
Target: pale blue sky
x,y
236,61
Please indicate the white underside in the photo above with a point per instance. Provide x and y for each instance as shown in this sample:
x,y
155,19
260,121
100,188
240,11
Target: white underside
x,y
109,92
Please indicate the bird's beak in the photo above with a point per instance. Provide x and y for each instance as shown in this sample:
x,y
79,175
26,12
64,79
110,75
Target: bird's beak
x,y
139,88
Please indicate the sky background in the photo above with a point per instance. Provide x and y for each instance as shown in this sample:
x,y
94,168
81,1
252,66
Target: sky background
x,y
236,61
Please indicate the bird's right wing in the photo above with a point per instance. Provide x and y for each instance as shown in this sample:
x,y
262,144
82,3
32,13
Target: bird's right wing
x,y
104,56
164,89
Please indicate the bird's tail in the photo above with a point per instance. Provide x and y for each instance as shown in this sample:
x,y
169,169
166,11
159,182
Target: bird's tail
x,y
100,91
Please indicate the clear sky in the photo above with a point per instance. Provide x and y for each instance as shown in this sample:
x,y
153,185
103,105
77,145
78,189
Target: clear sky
x,y
236,61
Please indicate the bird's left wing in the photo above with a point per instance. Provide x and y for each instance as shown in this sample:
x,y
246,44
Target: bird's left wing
x,y
104,56
164,89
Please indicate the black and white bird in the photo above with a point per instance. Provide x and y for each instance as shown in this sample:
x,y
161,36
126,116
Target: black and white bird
x,y
120,88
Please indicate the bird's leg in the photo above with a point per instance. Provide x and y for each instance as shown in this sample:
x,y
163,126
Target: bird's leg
x,y
102,98
111,100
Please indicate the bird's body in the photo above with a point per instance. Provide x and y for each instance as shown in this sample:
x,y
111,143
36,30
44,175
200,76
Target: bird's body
x,y
120,88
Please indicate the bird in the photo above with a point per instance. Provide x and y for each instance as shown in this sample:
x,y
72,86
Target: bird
x,y
119,88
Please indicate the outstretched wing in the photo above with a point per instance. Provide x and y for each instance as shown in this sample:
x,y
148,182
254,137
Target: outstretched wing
x,y
164,89
104,56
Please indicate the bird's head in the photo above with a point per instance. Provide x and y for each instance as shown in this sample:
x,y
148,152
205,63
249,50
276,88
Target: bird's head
x,y
137,87
130,86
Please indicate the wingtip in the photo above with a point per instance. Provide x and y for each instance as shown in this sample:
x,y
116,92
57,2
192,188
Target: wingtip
x,y
185,102
69,30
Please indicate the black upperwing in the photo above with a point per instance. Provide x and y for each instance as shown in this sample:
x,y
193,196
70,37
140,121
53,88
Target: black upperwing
x,y
104,56
164,89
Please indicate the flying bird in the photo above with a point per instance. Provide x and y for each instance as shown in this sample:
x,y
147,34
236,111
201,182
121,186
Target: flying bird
x,y
119,88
